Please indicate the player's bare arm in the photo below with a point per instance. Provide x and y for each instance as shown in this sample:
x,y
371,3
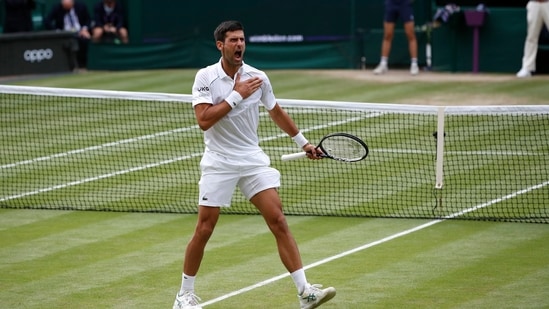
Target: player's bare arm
x,y
208,114
284,122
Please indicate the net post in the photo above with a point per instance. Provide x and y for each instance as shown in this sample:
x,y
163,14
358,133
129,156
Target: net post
x,y
439,178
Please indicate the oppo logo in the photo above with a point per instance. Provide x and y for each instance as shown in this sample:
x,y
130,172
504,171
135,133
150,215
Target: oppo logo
x,y
37,55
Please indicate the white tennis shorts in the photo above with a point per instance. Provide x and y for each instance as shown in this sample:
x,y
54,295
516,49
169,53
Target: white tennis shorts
x,y
221,174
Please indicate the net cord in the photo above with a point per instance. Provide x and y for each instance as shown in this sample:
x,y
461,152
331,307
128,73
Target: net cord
x,y
90,93
342,105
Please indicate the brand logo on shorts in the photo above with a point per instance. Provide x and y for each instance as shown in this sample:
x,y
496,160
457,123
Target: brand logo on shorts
x,y
37,55
204,198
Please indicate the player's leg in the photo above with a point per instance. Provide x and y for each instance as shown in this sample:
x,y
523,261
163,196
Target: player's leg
x,y
270,206
216,187
207,219
258,184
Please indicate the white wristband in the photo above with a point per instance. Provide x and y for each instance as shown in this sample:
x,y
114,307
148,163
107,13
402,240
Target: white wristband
x,y
300,140
233,99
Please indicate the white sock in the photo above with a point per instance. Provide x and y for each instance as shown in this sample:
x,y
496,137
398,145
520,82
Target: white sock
x,y
414,60
300,280
384,61
187,283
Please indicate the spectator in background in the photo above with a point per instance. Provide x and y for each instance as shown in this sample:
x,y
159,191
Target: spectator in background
x,y
109,22
71,15
404,10
537,14
18,15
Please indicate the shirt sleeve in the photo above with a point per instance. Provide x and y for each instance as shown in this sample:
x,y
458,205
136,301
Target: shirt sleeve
x,y
267,98
201,89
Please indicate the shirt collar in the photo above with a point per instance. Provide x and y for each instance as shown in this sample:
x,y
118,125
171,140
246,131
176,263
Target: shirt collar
x,y
222,73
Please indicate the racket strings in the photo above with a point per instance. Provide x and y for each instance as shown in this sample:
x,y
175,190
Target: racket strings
x,y
343,148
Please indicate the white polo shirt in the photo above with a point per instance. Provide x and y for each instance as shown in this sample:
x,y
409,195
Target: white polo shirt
x,y
236,133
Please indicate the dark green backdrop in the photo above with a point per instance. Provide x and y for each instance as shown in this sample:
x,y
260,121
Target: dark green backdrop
x,y
332,34
335,34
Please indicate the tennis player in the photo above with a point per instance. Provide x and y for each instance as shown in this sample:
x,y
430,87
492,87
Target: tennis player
x,y
226,98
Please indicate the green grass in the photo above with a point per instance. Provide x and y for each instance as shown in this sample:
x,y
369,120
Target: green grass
x,y
88,259
59,259
321,85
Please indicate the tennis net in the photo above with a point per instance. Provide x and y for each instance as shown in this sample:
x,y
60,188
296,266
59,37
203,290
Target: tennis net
x,y
131,151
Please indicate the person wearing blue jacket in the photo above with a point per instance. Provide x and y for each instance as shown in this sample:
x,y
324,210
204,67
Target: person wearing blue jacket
x,y
108,22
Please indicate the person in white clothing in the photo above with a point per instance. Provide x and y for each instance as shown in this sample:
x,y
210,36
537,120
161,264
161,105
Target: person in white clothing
x,y
537,15
226,98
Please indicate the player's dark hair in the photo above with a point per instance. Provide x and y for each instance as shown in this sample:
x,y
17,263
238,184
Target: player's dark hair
x,y
226,26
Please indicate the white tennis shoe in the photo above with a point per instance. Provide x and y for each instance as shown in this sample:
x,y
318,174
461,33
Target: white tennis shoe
x,y
314,296
523,73
414,69
187,300
381,69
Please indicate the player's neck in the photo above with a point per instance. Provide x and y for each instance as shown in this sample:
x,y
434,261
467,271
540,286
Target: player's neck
x,y
230,70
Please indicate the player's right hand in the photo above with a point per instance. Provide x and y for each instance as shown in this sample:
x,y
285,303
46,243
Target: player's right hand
x,y
313,152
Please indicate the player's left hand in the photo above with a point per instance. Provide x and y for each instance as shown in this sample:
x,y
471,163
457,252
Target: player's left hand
x,y
247,87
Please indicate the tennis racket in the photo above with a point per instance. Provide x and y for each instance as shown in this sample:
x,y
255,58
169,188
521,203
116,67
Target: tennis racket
x,y
337,146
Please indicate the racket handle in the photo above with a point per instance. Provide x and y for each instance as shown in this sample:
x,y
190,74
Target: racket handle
x,y
293,156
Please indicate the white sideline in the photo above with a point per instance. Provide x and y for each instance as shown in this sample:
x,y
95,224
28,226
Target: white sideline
x,y
159,134
378,242
90,179
143,167
98,147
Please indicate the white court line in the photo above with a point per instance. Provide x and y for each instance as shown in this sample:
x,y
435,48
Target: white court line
x,y
427,152
143,167
149,136
377,242
479,152
179,130
106,145
78,182
323,126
